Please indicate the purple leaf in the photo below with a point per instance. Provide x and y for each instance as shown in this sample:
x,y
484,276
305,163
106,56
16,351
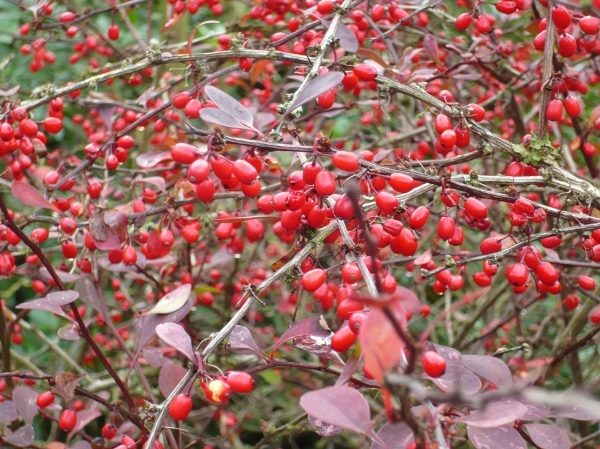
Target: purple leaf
x,y
230,105
156,181
504,437
29,195
395,436
430,45
169,376
154,357
241,340
490,368
145,327
347,38
22,437
24,399
450,355
408,300
219,117
495,414
62,298
316,87
44,305
535,411
322,428
314,326
342,407
172,301
456,378
548,436
84,417
347,372
148,160
69,332
175,336
8,412
62,275
89,292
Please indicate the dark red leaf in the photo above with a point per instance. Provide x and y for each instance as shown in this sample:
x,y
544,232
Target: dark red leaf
x,y
24,399
342,407
495,414
29,195
22,437
175,336
490,368
230,105
313,328
241,340
169,376
8,412
395,436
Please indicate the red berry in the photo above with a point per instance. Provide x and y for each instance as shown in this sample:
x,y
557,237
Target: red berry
x,y
554,111
433,364
183,153
476,208
594,315
325,183
546,272
567,45
442,123
67,420
506,6
240,382
365,72
180,407
447,138
490,245
343,339
418,218
53,125
245,64
350,81
344,208
345,160
313,279
44,399
386,202
561,17
244,171
517,274
540,40
571,301
482,279
114,32
446,227
351,273
198,171
325,6
572,106
589,24
463,21
476,112
586,282
109,431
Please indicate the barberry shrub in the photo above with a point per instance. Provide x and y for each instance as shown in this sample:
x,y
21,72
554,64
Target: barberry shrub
x,y
308,223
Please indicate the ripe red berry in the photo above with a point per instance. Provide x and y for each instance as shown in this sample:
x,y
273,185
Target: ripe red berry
x,y
540,40
345,160
567,45
109,431
433,364
482,279
463,21
386,202
490,245
53,125
244,171
325,183
561,17
547,273
442,123
313,279
44,399
517,274
418,218
447,138
325,6
589,24
198,171
67,420
180,407
365,72
572,106
343,339
554,111
183,153
446,227
245,64
114,32
217,390
240,382
476,112
594,315
351,273
586,282
476,208
571,301
129,255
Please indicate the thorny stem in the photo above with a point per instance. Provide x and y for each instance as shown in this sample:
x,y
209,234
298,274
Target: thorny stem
x,y
547,69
